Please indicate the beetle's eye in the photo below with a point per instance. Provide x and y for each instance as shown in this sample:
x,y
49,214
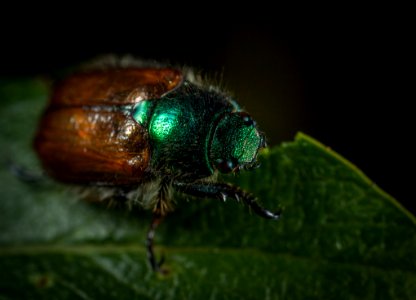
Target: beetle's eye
x,y
248,121
225,166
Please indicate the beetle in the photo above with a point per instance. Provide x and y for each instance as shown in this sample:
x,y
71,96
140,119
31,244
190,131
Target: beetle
x,y
146,131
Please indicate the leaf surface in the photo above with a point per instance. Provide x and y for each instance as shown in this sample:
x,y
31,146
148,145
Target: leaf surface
x,y
339,237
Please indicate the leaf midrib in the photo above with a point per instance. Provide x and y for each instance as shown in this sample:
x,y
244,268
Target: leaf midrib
x,y
134,248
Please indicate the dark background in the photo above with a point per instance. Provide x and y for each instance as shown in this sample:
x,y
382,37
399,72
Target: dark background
x,y
345,80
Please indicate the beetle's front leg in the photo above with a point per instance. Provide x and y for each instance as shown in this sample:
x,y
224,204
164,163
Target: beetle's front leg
x,y
224,191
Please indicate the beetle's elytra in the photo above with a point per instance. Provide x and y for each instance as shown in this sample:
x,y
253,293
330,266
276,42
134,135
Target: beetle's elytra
x,y
151,130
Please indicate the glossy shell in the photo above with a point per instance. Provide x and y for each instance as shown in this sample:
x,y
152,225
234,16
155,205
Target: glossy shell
x,y
87,134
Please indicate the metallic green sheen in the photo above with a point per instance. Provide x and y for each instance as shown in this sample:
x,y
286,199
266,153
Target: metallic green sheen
x,y
235,140
192,127
247,143
165,125
180,127
141,112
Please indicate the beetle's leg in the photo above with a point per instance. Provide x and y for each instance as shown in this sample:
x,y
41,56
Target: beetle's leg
x,y
156,266
161,207
224,191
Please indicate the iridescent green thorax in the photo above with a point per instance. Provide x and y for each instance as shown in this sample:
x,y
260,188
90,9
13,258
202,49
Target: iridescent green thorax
x,y
193,128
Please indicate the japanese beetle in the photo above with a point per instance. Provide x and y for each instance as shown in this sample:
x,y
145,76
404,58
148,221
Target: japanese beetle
x,y
150,130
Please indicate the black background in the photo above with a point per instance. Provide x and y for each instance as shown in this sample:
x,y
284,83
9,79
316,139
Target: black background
x,y
344,78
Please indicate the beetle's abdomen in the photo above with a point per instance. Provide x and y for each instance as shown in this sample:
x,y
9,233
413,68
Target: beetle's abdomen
x,y
92,145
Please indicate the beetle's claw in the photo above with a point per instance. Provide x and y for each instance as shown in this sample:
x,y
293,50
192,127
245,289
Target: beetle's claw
x,y
272,215
161,261
159,269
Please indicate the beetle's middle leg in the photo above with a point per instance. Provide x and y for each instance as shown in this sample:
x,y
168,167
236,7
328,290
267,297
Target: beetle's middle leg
x,y
156,266
162,206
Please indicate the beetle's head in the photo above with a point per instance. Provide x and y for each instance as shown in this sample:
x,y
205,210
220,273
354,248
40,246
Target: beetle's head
x,y
235,143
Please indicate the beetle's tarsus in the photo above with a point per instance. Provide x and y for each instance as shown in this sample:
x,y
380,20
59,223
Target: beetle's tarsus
x,y
251,202
156,265
161,261
224,191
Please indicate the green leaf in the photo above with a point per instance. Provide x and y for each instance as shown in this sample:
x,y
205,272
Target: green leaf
x,y
340,236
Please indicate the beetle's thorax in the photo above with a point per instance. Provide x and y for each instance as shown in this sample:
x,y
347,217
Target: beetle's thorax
x,y
180,127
